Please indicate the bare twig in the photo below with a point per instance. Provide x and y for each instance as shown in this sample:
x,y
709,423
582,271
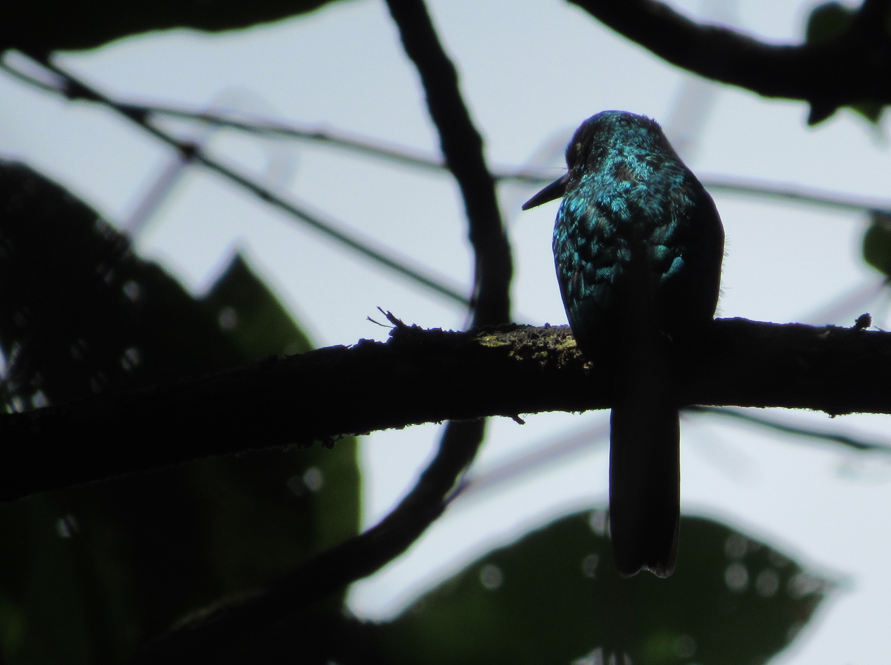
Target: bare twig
x,y
538,457
406,156
78,89
555,451
796,430
794,194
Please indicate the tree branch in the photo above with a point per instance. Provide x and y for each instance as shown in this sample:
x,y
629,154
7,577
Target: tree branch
x,y
414,158
851,68
820,434
77,89
462,147
210,634
422,376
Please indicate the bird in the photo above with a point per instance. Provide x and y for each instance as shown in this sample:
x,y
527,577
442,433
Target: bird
x,y
638,247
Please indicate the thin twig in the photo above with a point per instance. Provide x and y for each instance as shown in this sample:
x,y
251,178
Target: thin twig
x,y
731,185
78,89
278,128
532,177
796,430
794,194
538,457
552,452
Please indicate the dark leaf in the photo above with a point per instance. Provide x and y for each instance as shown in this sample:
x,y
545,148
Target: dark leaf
x,y
826,23
877,242
555,597
93,570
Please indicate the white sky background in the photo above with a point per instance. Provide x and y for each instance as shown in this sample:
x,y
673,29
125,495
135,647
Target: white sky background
x,y
531,72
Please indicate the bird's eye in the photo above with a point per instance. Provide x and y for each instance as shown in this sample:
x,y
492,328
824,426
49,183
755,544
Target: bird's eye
x,y
572,153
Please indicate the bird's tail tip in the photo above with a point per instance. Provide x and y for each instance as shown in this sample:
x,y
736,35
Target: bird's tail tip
x,y
644,487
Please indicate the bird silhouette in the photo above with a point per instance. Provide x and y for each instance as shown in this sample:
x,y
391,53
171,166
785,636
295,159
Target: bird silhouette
x,y
638,245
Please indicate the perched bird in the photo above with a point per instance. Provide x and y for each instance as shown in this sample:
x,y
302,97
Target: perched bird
x,y
638,245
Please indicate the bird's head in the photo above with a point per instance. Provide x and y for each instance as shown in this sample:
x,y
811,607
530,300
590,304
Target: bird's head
x,y
600,136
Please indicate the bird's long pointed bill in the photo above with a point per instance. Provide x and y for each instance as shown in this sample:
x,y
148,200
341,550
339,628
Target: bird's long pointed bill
x,y
553,191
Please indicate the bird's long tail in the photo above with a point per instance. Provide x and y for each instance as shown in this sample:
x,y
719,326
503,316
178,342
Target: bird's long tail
x,y
644,472
644,487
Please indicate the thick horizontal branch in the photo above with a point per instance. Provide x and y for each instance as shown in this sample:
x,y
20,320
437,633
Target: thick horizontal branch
x,y
422,376
854,67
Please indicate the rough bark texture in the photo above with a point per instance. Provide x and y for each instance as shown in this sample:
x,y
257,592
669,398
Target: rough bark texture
x,y
422,376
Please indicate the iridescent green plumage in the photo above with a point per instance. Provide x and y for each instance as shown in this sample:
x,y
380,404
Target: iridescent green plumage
x,y
638,246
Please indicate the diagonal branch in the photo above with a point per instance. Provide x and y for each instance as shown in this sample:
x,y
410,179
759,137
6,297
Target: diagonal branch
x,y
208,635
854,67
76,88
462,147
